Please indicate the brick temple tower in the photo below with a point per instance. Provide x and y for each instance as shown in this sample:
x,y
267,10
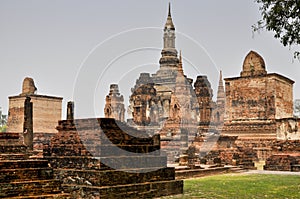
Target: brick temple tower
x,y
181,106
179,129
204,95
165,78
46,110
166,103
40,115
114,104
257,101
163,81
220,105
169,60
143,100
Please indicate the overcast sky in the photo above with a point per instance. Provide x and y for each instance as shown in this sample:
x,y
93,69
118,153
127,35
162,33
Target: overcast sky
x,y
75,49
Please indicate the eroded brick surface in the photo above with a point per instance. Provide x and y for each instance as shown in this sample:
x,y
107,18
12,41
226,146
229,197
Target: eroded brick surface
x,y
97,158
21,176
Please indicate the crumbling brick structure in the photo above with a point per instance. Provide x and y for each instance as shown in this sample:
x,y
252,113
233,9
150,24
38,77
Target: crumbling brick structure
x,y
257,101
46,111
225,151
258,112
114,104
108,159
283,162
259,107
23,177
167,103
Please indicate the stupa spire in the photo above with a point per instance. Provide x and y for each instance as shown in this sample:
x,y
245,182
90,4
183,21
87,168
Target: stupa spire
x,y
169,24
221,93
169,52
180,68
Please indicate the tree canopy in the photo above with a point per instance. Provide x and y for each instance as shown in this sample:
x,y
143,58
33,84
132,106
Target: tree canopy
x,y
297,108
283,18
3,121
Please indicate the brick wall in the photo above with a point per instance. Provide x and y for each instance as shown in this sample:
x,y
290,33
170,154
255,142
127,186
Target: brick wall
x,y
46,113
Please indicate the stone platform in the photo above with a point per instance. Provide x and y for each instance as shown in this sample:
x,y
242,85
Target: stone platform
x,y
108,159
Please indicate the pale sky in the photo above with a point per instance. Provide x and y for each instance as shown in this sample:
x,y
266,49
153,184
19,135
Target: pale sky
x,y
76,48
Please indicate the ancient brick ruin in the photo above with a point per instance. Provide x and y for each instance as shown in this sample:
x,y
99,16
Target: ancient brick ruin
x,y
46,111
259,108
87,158
108,159
24,177
256,108
257,102
167,103
258,116
285,156
172,120
114,104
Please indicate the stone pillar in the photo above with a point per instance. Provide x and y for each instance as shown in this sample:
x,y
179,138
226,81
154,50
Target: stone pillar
x,y
70,110
28,123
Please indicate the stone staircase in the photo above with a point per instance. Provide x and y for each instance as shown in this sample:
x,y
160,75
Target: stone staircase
x,y
23,177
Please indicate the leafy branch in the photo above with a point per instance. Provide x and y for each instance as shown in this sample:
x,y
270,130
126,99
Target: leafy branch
x,y
283,18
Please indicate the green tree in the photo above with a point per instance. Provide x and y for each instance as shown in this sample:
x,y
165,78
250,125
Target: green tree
x,y
3,128
283,18
3,121
297,108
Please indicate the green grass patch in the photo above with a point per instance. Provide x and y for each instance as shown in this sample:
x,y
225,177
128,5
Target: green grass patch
x,y
242,186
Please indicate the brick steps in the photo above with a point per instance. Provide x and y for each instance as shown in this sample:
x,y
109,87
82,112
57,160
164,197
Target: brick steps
x,y
102,158
6,136
131,162
13,156
282,162
238,169
13,148
35,187
13,164
139,190
115,177
111,149
129,195
21,177
25,174
44,196
115,162
8,141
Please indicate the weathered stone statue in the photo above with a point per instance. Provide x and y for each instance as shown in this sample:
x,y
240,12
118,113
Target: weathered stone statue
x,y
28,87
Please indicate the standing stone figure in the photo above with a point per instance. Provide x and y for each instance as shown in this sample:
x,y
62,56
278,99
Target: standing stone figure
x,y
28,87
